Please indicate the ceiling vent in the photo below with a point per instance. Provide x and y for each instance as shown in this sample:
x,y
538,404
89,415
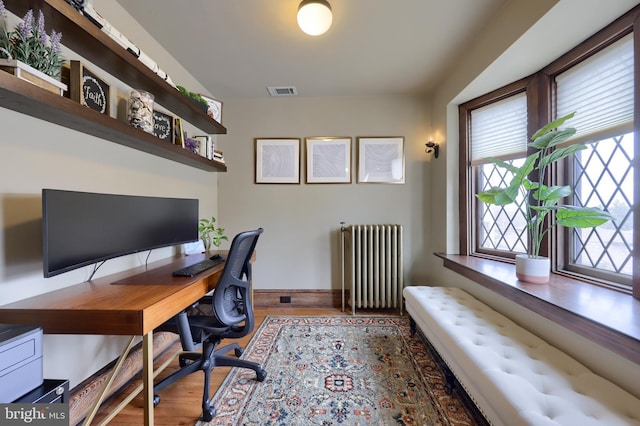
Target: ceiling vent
x,y
282,91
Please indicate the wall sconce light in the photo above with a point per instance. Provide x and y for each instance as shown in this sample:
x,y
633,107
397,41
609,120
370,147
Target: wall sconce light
x,y
431,146
314,16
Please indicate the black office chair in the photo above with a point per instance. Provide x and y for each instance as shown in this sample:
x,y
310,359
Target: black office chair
x,y
231,317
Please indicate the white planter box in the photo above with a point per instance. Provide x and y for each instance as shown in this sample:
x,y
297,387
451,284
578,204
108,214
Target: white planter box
x,y
32,75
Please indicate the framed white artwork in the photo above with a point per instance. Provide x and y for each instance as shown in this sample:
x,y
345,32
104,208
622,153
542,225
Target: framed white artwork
x,y
381,159
277,160
328,160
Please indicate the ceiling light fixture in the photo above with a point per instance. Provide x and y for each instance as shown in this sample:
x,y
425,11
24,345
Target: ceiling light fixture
x,y
314,16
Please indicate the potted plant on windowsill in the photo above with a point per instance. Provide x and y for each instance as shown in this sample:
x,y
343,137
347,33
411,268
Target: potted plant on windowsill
x,y
30,54
541,201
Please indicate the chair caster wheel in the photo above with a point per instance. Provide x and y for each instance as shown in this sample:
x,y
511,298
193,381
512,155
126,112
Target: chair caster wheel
x,y
208,414
239,352
184,362
156,400
261,375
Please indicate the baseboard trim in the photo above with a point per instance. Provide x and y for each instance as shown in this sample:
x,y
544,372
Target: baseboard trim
x,y
298,298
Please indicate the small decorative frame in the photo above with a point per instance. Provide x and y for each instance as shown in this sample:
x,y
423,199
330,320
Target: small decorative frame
x,y
178,132
215,108
381,159
277,160
328,160
163,126
86,88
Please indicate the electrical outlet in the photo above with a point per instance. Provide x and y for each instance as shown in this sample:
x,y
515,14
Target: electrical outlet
x,y
285,299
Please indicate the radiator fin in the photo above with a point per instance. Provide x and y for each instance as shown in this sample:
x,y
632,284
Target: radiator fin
x,y
372,266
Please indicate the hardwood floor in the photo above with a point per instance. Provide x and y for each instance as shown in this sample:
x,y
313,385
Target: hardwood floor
x,y
181,402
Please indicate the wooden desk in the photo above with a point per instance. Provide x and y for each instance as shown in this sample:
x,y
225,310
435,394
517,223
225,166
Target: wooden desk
x,y
132,302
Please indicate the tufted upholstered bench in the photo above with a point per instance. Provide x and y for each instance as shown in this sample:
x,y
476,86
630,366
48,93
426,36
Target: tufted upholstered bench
x,y
514,377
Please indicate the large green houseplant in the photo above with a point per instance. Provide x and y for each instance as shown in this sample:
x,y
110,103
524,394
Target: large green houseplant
x,y
540,200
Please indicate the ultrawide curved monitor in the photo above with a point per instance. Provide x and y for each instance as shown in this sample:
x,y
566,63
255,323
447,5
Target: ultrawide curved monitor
x,y
81,228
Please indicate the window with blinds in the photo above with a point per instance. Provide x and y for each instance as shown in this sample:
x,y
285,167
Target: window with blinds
x,y
595,80
601,90
499,130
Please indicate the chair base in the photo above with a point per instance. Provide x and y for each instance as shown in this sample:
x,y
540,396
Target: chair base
x,y
191,362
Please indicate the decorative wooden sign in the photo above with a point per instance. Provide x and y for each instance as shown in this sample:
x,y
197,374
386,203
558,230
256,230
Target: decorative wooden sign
x,y
163,126
87,88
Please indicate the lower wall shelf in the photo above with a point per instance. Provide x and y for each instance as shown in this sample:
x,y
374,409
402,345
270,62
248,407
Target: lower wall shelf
x,y
24,97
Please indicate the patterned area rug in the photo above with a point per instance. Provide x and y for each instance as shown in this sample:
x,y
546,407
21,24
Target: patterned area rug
x,y
341,371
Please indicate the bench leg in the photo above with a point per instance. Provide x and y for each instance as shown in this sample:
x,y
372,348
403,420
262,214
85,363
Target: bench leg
x,y
412,326
451,381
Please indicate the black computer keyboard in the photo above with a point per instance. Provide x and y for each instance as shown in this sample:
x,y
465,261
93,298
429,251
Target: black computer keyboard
x,y
196,268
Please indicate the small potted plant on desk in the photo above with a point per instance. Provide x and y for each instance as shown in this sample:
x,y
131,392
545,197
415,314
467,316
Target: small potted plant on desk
x,y
541,200
211,234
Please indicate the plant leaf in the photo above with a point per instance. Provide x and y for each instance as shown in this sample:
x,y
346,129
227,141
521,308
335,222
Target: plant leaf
x,y
553,138
560,153
551,195
554,124
581,217
523,171
495,196
500,163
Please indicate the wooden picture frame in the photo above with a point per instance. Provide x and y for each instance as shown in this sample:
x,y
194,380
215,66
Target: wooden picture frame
x,y
163,126
328,160
277,160
86,88
178,132
381,159
215,108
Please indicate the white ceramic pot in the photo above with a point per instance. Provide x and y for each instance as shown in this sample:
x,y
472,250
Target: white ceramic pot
x,y
534,270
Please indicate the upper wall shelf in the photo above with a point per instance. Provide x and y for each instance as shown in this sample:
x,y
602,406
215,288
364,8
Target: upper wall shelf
x,y
84,38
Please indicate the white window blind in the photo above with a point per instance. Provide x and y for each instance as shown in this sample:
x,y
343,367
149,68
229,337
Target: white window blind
x,y
499,130
600,92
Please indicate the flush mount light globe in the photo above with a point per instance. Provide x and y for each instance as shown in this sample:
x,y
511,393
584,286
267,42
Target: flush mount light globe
x,y
314,17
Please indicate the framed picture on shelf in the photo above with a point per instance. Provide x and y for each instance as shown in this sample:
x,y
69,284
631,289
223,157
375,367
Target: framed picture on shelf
x,y
381,159
277,160
179,133
328,160
163,126
215,108
85,87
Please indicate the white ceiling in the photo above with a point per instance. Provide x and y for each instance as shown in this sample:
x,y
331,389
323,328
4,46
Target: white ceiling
x,y
236,48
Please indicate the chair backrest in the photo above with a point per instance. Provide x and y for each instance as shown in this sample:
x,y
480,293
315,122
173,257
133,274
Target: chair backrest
x,y
232,296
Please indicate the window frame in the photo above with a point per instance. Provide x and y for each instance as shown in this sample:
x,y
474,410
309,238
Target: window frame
x,y
541,108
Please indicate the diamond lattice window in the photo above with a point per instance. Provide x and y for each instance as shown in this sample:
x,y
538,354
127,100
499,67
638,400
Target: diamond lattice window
x,y
501,227
603,177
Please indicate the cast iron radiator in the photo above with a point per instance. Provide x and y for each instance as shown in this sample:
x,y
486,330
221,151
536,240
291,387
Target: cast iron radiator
x,y
372,266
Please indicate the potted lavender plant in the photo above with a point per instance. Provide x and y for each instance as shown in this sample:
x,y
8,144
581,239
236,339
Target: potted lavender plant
x,y
29,53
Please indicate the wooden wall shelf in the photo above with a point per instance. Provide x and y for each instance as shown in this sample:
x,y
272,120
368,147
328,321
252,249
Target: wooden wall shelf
x,y
84,38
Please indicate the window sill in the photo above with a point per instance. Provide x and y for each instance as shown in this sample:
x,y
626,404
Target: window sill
x,y
604,316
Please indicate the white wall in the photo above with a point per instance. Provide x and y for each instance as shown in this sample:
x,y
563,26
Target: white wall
x,y
523,38
35,155
300,245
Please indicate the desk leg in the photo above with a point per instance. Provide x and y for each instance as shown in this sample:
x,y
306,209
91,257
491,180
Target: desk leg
x,y
147,377
112,376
